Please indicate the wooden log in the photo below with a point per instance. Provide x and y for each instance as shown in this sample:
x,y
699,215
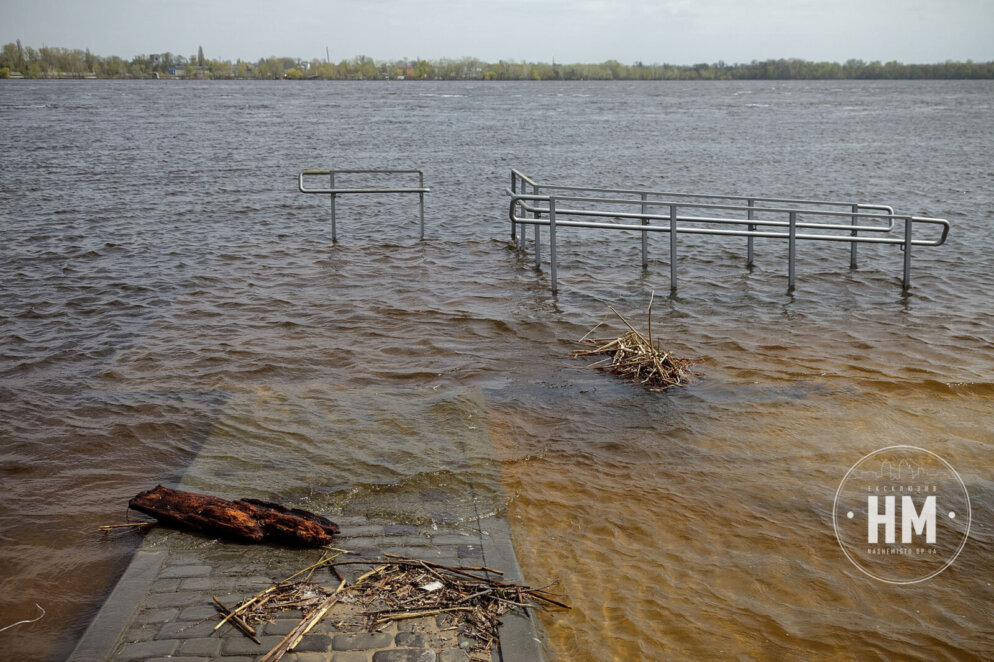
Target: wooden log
x,y
249,520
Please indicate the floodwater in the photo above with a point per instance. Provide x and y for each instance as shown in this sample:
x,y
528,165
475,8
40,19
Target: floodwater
x,y
165,292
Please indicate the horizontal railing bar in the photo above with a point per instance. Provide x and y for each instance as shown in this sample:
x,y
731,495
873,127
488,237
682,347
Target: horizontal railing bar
x,y
639,200
727,221
520,175
743,221
368,189
709,196
360,172
735,233
700,205
340,191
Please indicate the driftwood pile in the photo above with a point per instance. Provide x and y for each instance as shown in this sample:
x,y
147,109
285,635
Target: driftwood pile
x,y
249,520
394,589
636,357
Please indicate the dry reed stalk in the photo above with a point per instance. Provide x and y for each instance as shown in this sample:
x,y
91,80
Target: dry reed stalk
x,y
130,525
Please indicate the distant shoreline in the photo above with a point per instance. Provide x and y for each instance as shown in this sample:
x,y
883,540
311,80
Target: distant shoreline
x,y
17,61
67,77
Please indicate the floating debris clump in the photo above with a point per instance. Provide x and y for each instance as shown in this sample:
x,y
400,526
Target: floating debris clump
x,y
636,357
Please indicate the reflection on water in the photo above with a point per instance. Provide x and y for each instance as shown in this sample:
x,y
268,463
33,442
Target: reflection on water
x,y
170,305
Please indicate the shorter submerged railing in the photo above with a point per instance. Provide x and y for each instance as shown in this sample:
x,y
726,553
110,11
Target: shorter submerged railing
x,y
420,189
752,217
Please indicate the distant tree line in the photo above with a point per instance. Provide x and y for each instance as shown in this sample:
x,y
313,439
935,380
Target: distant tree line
x,y
47,62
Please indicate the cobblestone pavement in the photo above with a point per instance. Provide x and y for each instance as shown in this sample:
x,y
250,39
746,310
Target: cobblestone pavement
x,y
163,607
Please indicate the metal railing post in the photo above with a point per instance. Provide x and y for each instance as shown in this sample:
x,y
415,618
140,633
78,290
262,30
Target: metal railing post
x,y
854,233
645,235
421,194
906,284
538,238
751,228
673,231
538,247
334,233
514,190
552,244
791,251
521,235
520,244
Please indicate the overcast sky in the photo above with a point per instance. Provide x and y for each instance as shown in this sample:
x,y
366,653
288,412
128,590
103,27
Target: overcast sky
x,y
652,31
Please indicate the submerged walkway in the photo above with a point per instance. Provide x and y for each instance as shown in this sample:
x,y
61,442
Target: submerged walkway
x,y
162,608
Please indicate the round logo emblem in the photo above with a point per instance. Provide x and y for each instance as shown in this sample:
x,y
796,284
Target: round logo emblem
x,y
902,514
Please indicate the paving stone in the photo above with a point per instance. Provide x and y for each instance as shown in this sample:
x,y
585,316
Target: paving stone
x,y
470,552
183,571
438,554
350,521
453,655
282,627
204,647
165,586
405,655
198,613
144,633
413,541
164,615
307,657
362,641
410,639
351,656
187,630
314,643
243,569
366,543
229,598
178,599
239,644
400,530
405,551
182,658
366,531
206,584
441,540
367,552
437,530
252,584
145,649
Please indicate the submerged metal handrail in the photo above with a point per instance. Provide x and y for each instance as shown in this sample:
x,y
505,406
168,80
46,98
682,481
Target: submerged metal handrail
x,y
420,189
789,211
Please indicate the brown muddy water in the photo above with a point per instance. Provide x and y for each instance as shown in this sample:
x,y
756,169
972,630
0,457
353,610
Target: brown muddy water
x,y
166,295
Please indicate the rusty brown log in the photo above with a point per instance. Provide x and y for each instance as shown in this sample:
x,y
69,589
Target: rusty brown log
x,y
249,520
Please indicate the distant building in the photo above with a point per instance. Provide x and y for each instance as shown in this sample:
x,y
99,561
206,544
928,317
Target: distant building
x,y
192,70
404,68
